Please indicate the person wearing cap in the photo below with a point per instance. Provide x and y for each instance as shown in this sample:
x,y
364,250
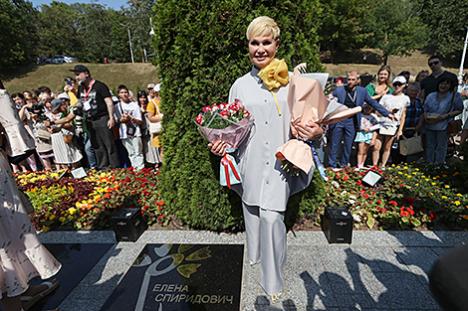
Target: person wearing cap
x,y
439,109
391,128
350,95
65,151
98,109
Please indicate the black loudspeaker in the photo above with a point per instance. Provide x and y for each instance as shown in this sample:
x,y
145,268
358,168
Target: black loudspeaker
x,y
128,224
337,224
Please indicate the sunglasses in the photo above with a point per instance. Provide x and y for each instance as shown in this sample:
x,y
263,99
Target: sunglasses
x,y
397,84
433,63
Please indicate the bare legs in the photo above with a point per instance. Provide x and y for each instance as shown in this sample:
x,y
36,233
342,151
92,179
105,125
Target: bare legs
x,y
385,142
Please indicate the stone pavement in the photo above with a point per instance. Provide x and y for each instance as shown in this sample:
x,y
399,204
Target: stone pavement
x,y
380,270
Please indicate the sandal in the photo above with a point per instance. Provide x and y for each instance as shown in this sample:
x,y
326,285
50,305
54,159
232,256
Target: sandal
x,y
275,298
29,301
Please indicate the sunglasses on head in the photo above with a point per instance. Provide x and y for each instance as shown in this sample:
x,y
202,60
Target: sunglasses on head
x,y
433,63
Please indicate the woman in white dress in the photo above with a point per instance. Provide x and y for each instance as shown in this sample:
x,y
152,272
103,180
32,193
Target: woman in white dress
x,y
266,188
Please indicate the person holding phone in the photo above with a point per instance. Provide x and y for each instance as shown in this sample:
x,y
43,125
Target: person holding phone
x,y
391,128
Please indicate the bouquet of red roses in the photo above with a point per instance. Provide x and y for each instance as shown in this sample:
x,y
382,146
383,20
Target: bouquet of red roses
x,y
230,123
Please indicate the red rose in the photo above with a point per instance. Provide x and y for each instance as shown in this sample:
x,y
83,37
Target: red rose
x,y
199,119
206,109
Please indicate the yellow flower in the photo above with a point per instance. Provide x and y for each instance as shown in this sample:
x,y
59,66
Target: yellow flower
x,y
433,183
52,217
62,219
444,197
457,203
459,195
447,186
275,74
71,210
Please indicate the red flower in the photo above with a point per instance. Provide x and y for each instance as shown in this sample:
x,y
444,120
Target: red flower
x,y
160,203
206,108
394,203
379,202
199,119
345,177
224,113
403,212
365,195
432,216
410,210
359,182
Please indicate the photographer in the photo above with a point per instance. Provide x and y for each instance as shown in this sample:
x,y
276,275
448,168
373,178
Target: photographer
x,y
75,115
65,151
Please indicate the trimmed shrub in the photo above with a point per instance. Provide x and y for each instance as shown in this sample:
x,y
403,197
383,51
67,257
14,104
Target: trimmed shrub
x,y
201,50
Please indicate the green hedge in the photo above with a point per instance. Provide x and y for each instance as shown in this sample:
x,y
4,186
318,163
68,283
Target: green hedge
x,y
201,50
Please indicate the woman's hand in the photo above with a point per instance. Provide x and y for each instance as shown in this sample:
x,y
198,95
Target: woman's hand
x,y
218,148
308,132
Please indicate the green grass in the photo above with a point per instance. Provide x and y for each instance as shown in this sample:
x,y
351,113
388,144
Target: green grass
x,y
134,76
137,76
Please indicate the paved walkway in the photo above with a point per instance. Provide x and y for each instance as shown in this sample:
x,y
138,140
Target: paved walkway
x,y
379,271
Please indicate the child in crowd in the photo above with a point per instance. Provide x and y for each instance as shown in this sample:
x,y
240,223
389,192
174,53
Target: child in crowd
x,y
367,133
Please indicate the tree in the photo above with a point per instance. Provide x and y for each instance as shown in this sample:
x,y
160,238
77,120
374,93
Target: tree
x,y
447,21
58,30
396,28
343,27
138,14
18,35
201,49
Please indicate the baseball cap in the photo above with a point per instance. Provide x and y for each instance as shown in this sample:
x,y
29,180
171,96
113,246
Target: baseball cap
x,y
63,96
80,68
399,79
150,86
56,103
157,87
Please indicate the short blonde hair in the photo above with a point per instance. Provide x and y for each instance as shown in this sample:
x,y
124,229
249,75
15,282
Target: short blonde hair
x,y
263,26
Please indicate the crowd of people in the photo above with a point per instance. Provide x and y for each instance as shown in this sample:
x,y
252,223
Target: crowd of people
x,y
433,106
85,125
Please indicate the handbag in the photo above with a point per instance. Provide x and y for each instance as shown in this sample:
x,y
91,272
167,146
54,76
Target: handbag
x,y
68,138
155,127
43,134
411,145
454,126
388,129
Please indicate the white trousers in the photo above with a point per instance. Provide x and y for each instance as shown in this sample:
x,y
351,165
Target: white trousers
x,y
134,148
266,243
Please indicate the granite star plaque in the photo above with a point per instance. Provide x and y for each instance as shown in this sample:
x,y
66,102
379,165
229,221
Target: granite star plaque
x,y
181,277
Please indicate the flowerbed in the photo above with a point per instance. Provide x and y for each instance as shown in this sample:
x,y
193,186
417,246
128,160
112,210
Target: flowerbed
x,y
408,197
88,203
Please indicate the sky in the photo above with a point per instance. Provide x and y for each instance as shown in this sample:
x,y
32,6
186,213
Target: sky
x,y
116,4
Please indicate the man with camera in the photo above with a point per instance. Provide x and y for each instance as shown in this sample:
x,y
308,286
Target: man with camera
x,y
98,112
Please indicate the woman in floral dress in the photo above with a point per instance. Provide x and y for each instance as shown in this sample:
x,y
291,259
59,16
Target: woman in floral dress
x,y
22,256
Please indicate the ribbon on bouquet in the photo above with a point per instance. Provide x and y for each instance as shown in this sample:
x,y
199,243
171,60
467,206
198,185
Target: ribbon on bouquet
x,y
318,163
229,172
